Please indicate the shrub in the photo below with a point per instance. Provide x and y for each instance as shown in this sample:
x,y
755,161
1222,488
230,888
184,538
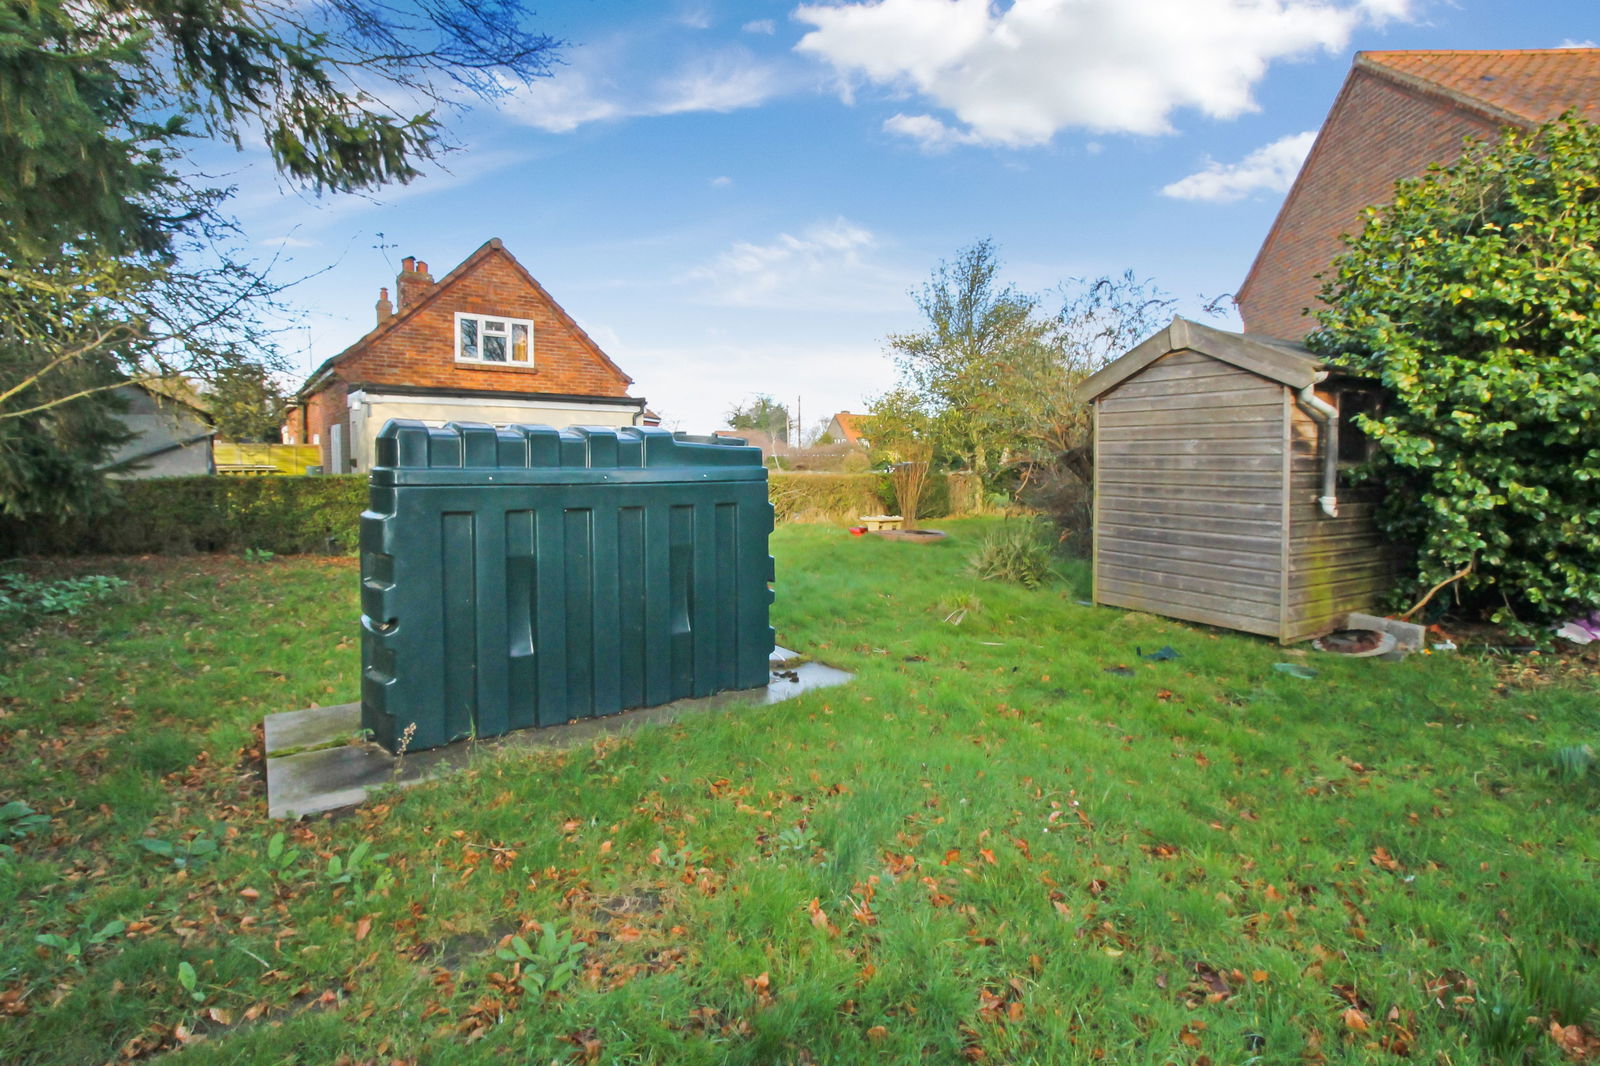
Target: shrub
x,y
1068,500
287,515
1019,551
806,495
935,502
294,515
23,598
1472,299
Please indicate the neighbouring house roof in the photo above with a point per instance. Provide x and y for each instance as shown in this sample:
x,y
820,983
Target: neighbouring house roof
x,y
850,426
1396,114
1282,361
177,389
493,246
164,415
1518,87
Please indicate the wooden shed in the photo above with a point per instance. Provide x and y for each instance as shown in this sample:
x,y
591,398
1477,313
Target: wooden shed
x,y
1218,496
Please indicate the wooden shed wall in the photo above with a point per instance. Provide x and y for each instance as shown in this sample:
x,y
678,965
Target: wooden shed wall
x,y
1336,565
1189,483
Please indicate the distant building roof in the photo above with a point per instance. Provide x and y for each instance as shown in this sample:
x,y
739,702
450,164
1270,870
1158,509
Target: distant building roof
x,y
850,426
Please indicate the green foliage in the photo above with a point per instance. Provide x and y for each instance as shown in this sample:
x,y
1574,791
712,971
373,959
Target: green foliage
x,y
1473,300
761,412
967,373
182,853
1573,762
72,946
50,457
989,380
189,981
548,968
817,495
246,404
1552,985
24,598
357,874
263,517
1501,1017
281,515
281,860
18,820
1019,551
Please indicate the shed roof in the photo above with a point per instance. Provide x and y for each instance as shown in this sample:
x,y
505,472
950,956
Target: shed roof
x,y
1282,361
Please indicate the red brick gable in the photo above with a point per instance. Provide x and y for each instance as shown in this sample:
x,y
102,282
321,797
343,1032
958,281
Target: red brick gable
x,y
1397,113
416,347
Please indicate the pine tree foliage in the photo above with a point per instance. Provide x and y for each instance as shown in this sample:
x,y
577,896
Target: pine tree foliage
x,y
115,263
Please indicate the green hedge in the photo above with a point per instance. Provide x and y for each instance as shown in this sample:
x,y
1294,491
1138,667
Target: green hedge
x,y
287,515
812,495
291,515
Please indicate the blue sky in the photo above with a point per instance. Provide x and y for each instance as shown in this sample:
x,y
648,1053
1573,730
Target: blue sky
x,y
735,197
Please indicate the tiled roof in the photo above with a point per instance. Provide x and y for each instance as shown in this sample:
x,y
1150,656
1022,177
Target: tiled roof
x,y
847,423
1527,86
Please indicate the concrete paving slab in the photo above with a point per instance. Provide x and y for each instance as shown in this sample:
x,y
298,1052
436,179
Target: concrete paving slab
x,y
324,768
314,727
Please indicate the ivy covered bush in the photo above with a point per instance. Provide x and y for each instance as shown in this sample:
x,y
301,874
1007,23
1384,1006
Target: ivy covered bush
x,y
1473,299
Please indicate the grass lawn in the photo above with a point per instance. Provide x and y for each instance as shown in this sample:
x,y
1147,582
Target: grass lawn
x,y
986,848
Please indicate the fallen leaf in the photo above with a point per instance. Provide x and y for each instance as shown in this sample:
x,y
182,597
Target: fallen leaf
x,y
1355,1021
363,927
877,1033
1383,860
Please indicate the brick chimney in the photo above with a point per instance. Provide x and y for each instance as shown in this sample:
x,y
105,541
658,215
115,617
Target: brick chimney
x,y
385,309
413,284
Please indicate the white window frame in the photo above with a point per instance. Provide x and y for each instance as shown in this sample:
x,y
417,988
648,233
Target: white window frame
x,y
510,322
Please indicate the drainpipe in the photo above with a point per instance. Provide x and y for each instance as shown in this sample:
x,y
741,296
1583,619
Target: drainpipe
x,y
1327,417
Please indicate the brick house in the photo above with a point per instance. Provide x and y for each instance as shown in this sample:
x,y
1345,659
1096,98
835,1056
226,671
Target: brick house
x,y
1397,113
484,343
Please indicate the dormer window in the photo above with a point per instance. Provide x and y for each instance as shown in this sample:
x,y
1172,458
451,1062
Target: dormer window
x,y
493,339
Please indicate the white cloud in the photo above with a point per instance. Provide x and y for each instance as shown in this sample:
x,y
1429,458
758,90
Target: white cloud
x,y
721,181
1015,75
764,26
286,242
1271,168
721,81
562,103
829,266
725,81
1572,43
933,135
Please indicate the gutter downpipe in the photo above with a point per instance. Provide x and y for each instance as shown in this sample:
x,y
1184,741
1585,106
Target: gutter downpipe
x,y
1327,416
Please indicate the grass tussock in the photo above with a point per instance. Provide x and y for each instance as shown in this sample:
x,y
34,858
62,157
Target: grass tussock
x,y
987,848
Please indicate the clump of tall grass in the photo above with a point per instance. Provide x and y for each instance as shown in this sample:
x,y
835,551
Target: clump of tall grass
x,y
1021,552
